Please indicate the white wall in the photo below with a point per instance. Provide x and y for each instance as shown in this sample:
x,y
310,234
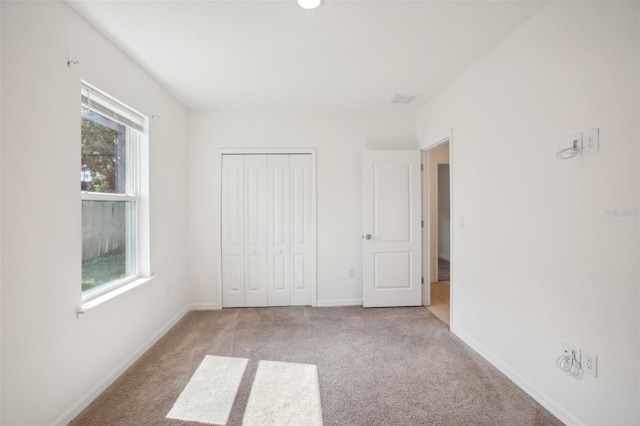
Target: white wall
x,y
339,138
0,215
538,261
51,361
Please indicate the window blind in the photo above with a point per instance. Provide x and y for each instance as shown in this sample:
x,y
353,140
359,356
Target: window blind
x,y
100,103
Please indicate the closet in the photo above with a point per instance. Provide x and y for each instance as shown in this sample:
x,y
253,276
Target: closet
x,y
267,230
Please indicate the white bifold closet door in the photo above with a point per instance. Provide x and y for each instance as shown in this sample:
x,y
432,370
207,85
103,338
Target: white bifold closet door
x,y
266,230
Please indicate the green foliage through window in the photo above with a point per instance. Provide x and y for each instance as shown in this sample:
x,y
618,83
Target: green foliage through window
x,y
103,154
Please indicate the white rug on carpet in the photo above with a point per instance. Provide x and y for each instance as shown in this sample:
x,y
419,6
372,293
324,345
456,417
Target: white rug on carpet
x,y
209,395
284,393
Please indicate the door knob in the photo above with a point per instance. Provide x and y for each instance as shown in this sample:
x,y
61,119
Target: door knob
x,y
368,236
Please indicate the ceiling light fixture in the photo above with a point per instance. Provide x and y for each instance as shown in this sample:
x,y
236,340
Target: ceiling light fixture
x,y
309,4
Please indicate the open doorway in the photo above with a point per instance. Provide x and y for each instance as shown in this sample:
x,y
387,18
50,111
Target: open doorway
x,y
437,229
444,224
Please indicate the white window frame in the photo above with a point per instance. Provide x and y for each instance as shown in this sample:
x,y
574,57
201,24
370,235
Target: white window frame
x,y
137,192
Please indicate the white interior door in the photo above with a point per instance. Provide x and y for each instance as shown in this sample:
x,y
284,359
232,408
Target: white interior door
x,y
255,242
267,230
303,261
278,228
232,231
391,228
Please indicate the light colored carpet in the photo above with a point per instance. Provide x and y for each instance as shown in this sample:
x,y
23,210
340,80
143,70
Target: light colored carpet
x,y
383,366
209,395
284,393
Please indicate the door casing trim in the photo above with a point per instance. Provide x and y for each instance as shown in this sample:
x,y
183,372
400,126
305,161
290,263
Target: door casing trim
x,y
443,137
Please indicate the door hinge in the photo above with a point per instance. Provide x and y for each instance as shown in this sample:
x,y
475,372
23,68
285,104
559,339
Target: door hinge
x,y
421,167
422,225
422,280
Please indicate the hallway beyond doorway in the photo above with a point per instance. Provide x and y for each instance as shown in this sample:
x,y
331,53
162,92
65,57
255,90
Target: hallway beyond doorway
x,y
444,268
440,301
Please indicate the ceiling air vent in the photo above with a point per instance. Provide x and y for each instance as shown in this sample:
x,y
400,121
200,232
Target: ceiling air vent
x,y
402,99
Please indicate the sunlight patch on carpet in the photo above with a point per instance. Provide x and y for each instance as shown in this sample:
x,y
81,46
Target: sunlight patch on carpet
x,y
209,395
284,393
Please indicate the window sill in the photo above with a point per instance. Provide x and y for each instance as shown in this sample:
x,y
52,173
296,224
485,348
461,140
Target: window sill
x,y
88,305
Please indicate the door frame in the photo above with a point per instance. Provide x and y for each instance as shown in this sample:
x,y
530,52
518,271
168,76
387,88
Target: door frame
x,y
429,143
218,209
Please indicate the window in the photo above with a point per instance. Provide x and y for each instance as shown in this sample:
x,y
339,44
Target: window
x,y
113,185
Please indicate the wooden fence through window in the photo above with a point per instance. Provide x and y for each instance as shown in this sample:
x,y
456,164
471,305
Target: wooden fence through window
x,y
104,227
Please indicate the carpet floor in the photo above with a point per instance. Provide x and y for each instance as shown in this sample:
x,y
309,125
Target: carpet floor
x,y
384,366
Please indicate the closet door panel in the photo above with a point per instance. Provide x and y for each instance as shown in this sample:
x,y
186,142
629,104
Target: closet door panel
x,y
278,211
299,277
302,267
255,223
267,233
232,234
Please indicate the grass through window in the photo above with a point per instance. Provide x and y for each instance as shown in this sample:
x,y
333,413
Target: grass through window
x,y
103,269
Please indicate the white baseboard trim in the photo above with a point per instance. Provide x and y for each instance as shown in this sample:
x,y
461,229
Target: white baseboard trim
x,y
542,398
442,256
339,302
205,307
77,408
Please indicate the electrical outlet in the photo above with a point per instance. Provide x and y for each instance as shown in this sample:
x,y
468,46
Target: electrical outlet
x,y
351,272
590,363
591,142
